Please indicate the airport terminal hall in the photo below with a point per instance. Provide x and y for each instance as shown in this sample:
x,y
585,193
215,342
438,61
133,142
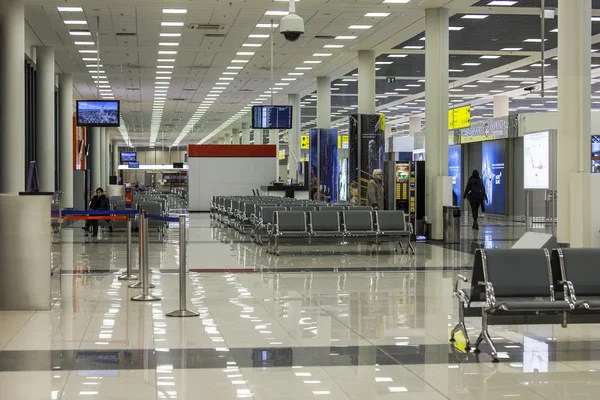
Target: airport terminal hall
x,y
299,199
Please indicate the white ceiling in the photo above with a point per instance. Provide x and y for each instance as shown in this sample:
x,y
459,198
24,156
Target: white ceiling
x,y
129,46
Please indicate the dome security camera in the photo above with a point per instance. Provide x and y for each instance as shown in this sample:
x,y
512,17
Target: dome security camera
x,y
292,25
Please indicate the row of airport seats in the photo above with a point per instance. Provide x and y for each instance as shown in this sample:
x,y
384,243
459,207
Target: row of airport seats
x,y
156,204
181,195
279,220
529,286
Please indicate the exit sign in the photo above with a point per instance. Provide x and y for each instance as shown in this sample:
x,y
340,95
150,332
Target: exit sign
x,y
391,80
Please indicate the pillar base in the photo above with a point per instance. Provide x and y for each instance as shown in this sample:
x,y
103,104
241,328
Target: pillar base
x,y
440,195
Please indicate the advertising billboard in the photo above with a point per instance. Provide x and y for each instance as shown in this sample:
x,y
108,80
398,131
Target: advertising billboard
x,y
596,154
491,129
493,173
536,161
455,171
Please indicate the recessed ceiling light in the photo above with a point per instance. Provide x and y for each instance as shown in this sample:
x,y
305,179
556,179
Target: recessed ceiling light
x,y
239,61
166,60
258,36
229,73
251,45
88,51
234,67
534,40
333,46
245,53
413,85
75,22
340,84
69,9
174,11
170,34
295,73
90,59
502,3
396,1
168,44
539,65
167,23
512,87
225,79
501,76
413,47
281,84
165,66
383,62
288,79
313,62
377,14
528,83
322,54
470,86
485,81
360,26
80,33
456,28
456,70
520,70
512,49
345,37
398,55
267,25
281,13
475,16
163,77
303,68
84,43
470,64
489,57
222,83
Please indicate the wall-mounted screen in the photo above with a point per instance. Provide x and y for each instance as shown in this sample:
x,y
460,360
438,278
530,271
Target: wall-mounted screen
x,y
133,164
128,156
98,113
596,154
455,171
493,173
272,117
536,162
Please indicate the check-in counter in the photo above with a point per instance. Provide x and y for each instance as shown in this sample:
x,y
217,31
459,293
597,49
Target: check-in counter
x,y
291,191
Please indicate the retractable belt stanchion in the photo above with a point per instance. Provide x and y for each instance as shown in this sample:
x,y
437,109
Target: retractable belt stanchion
x,y
139,284
128,276
144,270
183,311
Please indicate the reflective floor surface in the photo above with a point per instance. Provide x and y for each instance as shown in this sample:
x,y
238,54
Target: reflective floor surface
x,y
330,322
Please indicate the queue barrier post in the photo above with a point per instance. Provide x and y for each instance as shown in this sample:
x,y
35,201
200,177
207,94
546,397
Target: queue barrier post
x,y
128,275
144,270
139,283
182,311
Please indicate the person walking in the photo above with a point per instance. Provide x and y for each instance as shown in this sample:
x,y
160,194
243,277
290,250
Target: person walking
x,y
375,191
475,193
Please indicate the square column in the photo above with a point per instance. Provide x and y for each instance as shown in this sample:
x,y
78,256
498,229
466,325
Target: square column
x,y
65,124
245,133
575,184
501,106
294,133
366,82
323,102
44,105
438,185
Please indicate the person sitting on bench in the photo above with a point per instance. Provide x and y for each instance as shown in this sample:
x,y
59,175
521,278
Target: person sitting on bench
x,y
99,202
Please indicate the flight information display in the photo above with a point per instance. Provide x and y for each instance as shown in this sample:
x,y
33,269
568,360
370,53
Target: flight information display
x,y
272,117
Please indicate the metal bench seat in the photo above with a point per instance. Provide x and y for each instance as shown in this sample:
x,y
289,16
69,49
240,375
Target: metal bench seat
x,y
287,225
325,223
578,275
359,224
393,226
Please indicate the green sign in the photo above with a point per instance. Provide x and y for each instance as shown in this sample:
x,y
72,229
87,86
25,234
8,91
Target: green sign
x,y
391,80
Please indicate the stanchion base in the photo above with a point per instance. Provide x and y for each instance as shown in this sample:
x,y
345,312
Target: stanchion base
x,y
145,297
139,285
182,313
128,277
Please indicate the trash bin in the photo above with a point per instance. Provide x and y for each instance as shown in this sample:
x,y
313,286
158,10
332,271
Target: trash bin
x,y
451,225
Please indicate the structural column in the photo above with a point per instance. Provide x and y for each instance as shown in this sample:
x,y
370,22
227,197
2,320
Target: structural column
x,y
115,158
501,106
414,125
107,157
236,135
438,185
294,133
366,82
324,102
103,151
245,133
44,107
12,97
227,137
96,162
576,185
65,126
221,140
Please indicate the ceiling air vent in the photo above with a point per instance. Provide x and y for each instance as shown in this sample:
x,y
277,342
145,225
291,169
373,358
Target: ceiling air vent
x,y
244,90
328,37
214,35
188,90
205,27
178,99
126,34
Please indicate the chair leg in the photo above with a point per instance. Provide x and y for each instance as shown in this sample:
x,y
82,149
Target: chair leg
x,y
399,244
485,335
461,327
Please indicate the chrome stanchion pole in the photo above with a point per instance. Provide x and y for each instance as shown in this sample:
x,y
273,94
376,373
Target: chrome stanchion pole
x,y
183,311
141,224
144,270
128,276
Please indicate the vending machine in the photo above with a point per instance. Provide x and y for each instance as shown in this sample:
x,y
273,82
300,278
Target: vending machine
x,y
405,189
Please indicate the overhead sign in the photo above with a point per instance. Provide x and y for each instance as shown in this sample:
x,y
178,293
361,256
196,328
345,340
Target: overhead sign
x,y
343,142
459,118
391,80
491,129
305,142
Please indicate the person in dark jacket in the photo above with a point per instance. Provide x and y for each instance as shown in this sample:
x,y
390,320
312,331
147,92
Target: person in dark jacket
x,y
99,202
475,193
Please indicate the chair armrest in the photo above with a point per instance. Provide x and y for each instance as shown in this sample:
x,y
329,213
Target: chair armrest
x,y
461,278
410,228
490,295
570,296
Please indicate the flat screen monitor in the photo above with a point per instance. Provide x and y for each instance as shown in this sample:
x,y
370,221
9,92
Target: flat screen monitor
x,y
128,156
272,117
596,154
98,113
177,165
133,164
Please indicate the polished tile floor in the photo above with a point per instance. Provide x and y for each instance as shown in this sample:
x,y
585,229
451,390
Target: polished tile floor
x,y
330,322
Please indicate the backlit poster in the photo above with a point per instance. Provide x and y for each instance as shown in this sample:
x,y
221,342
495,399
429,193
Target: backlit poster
x,y
596,154
493,173
455,171
536,162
